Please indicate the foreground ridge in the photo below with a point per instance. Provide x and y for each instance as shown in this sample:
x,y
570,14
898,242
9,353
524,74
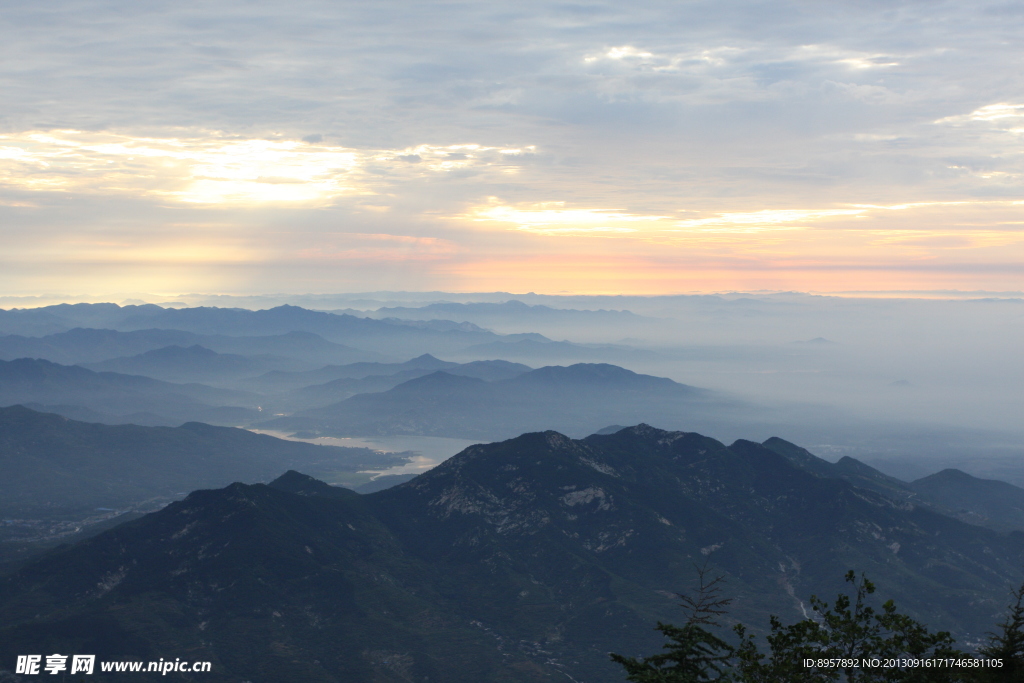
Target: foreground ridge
x,y
511,561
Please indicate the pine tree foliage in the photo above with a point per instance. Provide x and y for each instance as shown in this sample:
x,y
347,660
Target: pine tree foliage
x,y
1006,644
849,630
693,654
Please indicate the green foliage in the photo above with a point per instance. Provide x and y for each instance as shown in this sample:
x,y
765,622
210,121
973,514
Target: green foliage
x,y
835,641
693,654
849,630
1006,644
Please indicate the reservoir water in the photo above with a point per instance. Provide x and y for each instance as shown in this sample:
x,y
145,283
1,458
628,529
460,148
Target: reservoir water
x,y
425,451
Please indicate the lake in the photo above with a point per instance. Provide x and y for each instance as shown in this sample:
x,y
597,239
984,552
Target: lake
x,y
426,451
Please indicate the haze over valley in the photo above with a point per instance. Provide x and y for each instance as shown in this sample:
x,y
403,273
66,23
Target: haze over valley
x,y
868,378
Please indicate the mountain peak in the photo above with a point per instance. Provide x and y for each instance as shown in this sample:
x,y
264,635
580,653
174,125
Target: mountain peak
x,y
438,380
949,474
305,485
610,429
602,375
644,430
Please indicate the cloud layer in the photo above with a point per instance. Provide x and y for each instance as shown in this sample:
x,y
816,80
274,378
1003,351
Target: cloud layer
x,y
562,147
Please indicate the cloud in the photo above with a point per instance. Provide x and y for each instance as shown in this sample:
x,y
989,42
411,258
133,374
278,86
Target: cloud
x,y
764,219
218,169
554,218
747,134
374,247
1001,112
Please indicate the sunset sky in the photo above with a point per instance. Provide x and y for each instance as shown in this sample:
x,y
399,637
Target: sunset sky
x,y
557,147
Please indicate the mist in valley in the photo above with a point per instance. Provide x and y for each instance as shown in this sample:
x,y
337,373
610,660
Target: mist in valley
x,y
909,385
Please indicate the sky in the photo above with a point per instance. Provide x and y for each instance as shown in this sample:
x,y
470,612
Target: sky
x,y
554,147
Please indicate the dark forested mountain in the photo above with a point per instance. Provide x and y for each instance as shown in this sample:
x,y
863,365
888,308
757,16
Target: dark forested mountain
x,y
55,466
268,584
985,502
847,469
579,398
119,396
526,560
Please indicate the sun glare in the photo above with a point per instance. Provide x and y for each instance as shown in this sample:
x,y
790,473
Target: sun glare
x,y
218,170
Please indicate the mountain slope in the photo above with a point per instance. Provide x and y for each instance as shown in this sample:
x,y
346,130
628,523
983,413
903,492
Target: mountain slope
x,y
345,380
848,469
54,466
648,502
28,380
988,503
184,364
340,389
985,502
88,345
524,560
268,585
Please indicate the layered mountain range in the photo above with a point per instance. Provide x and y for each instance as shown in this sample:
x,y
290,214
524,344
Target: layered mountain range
x,y
399,337
256,365
90,345
152,365
579,398
525,560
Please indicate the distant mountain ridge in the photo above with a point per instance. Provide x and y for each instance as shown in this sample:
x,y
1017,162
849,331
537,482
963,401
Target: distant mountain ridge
x,y
513,315
346,387
580,397
512,306
526,560
533,350
390,337
119,395
984,502
89,345
182,363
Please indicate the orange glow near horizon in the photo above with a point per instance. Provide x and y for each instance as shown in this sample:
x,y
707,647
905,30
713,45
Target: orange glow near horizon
x,y
595,276
387,216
